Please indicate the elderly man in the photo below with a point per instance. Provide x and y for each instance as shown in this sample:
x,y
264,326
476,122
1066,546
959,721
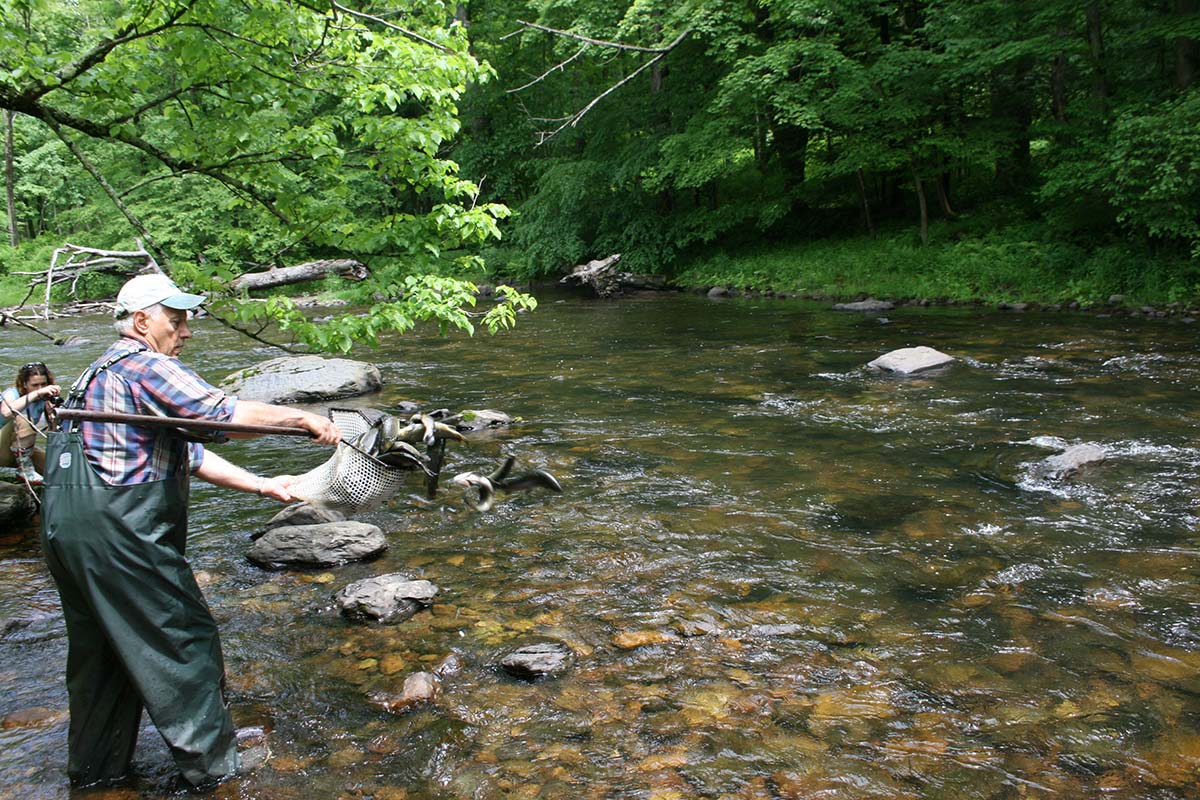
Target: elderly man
x,y
114,529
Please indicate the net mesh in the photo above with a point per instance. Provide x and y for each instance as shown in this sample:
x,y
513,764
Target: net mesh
x,y
350,481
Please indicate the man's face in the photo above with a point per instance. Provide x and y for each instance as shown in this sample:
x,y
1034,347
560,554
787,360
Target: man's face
x,y
165,331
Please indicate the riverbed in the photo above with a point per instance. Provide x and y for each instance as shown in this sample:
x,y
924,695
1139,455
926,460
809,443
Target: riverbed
x,y
780,574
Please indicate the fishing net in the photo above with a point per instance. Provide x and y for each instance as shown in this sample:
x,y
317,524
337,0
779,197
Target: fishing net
x,y
351,481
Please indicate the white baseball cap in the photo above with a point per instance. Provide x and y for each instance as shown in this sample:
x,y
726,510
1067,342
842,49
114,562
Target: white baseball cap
x,y
147,290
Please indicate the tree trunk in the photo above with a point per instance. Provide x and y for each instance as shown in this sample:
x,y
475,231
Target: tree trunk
x,y
943,193
1058,80
866,203
347,268
1187,49
1095,33
923,205
9,178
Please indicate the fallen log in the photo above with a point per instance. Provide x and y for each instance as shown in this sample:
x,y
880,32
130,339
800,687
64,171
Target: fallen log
x,y
607,281
312,270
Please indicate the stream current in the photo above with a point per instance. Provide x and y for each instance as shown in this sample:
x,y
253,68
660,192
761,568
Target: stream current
x,y
780,574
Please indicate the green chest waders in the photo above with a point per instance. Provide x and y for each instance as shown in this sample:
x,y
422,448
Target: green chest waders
x,y
138,628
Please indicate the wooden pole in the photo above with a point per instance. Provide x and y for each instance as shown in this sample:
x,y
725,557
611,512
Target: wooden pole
x,y
144,420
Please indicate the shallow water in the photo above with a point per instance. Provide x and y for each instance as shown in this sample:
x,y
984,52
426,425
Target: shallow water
x,y
780,574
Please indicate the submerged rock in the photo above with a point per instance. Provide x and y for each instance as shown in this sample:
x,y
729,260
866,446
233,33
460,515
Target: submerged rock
x,y
537,660
303,379
419,687
325,545
473,420
908,360
1071,460
869,305
393,597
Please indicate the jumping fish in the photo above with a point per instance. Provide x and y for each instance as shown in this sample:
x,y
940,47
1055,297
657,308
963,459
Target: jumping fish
x,y
480,491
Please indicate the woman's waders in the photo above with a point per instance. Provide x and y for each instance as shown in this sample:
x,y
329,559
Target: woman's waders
x,y
138,628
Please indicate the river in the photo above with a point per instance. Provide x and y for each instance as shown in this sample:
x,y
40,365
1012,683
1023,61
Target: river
x,y
780,574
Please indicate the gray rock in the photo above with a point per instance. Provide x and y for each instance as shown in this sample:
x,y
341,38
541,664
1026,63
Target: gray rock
x,y
324,545
473,420
870,304
718,291
392,597
1116,299
1071,460
16,505
303,379
908,360
783,629
301,514
537,660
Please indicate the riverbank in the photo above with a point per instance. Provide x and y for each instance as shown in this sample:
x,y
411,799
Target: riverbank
x,y
995,269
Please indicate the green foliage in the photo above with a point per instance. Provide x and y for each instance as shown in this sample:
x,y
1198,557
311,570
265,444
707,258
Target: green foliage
x,y
241,133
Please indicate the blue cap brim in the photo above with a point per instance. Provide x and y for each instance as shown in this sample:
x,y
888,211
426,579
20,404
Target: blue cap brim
x,y
184,301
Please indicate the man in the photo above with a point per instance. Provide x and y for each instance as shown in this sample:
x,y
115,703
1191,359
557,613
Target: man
x,y
114,528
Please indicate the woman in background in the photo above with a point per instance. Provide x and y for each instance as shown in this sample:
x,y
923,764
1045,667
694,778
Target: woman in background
x,y
24,410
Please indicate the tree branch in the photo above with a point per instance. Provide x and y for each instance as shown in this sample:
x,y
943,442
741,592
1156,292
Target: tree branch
x,y
573,120
361,15
560,65
589,40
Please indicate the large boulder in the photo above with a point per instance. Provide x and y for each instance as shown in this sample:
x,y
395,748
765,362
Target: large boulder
x,y
303,379
325,545
392,597
908,360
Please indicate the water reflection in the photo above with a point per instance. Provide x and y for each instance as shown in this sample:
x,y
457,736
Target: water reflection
x,y
780,575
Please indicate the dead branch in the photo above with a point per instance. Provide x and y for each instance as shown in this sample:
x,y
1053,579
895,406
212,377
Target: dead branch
x,y
573,119
80,260
589,40
282,276
250,334
559,66
360,15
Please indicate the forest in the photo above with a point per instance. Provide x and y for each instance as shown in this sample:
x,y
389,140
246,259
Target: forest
x,y
983,150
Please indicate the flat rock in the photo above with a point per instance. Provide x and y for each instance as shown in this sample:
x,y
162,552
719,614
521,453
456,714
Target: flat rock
x,y
1071,460
866,305
303,379
537,660
301,514
325,545
908,360
392,597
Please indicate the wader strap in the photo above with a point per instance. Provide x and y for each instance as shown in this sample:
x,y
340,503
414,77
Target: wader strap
x,y
75,396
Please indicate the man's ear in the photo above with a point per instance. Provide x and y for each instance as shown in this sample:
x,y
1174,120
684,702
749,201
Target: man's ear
x,y
141,321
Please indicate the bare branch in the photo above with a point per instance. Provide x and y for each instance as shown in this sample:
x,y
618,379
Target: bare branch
x,y
361,15
248,333
573,120
559,66
589,40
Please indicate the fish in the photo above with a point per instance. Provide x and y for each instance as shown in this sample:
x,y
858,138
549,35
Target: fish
x,y
480,490
392,442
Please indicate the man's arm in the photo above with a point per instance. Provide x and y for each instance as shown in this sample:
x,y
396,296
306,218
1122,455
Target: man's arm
x,y
252,412
219,472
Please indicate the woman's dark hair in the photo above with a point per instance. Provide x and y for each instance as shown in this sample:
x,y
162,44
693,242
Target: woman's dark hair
x,y
28,371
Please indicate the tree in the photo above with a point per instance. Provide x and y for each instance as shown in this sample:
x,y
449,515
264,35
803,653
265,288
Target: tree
x,y
321,126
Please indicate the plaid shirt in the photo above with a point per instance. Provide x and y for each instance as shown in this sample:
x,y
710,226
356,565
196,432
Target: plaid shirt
x,y
147,382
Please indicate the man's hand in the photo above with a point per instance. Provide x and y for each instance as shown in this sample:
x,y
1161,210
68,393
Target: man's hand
x,y
322,428
277,488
